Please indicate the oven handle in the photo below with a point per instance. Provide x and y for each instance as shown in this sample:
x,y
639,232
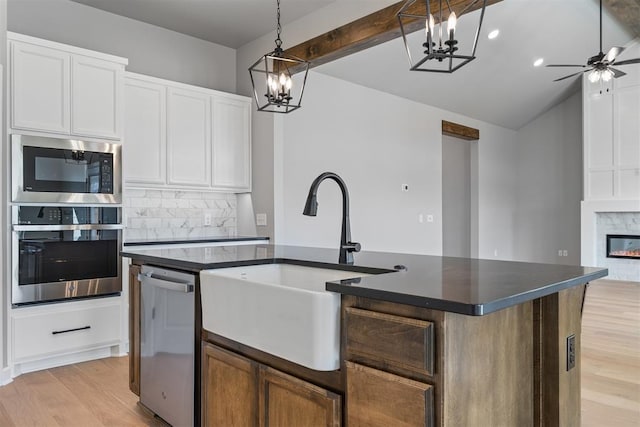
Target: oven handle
x,y
68,227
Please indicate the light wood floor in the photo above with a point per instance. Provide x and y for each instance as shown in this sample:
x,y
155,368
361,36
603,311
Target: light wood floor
x,y
611,355
96,394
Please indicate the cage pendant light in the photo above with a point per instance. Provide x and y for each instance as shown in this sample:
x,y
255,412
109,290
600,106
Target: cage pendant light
x,y
278,79
441,51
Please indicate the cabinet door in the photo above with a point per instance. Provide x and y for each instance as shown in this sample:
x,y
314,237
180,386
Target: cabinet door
x,y
286,401
229,388
231,143
96,97
145,136
376,398
188,139
134,329
39,88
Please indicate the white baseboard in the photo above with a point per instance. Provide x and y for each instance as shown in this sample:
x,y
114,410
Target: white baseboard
x,y
55,361
5,376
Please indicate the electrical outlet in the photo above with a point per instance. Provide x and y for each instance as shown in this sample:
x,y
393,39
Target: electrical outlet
x,y
429,218
565,252
261,219
207,219
495,252
571,352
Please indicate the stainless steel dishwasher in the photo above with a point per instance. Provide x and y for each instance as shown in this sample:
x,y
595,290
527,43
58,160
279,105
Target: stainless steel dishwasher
x,y
167,344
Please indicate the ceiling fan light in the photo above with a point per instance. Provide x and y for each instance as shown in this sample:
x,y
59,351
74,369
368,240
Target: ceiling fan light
x,y
594,76
606,75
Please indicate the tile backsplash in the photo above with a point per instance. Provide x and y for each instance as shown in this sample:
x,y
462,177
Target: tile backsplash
x,y
151,214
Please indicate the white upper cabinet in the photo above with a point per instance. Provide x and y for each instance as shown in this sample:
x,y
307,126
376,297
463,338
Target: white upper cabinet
x,y
40,80
145,132
231,143
185,137
61,89
611,115
96,97
188,139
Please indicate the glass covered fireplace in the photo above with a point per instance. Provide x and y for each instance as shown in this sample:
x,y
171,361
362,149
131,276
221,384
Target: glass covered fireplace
x,y
623,246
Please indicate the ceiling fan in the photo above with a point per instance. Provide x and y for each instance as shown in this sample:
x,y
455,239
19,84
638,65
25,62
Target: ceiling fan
x,y
600,65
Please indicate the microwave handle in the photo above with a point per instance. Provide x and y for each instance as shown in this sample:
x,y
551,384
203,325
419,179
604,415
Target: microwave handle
x,y
68,227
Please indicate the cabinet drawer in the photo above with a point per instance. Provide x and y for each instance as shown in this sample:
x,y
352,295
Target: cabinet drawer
x,y
386,340
53,332
376,398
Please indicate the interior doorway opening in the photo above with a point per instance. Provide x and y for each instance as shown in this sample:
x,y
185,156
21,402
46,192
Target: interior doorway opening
x,y
459,191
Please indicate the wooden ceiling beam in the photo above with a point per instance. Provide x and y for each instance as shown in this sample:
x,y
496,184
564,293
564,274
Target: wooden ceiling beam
x,y
371,30
627,12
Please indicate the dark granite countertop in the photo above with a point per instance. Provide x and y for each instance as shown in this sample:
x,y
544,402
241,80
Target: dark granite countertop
x,y
187,240
459,285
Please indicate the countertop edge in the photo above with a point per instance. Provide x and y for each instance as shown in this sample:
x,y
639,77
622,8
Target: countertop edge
x,y
480,309
159,242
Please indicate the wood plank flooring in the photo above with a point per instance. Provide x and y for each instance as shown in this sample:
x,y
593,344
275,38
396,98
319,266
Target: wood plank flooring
x,y
96,394
611,355
90,394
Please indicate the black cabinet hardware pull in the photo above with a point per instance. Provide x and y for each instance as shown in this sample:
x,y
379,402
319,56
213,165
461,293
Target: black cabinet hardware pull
x,y
70,330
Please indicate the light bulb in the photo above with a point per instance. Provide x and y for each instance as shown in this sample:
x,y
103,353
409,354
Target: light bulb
x,y
431,24
451,22
283,79
594,76
607,75
273,84
288,84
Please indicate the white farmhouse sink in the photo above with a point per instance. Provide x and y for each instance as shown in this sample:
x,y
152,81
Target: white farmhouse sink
x,y
281,309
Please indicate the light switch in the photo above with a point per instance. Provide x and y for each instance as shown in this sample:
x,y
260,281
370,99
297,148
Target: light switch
x,y
261,219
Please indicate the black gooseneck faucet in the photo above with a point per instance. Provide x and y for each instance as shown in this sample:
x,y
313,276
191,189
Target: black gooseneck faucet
x,y
347,247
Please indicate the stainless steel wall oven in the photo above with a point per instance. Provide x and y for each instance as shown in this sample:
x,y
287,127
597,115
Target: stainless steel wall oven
x,y
53,170
63,252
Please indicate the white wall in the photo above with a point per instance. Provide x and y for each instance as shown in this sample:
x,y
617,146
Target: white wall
x,y
456,196
549,185
376,142
4,284
150,49
322,20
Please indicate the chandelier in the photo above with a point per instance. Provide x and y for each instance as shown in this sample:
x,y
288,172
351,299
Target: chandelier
x,y
272,78
440,50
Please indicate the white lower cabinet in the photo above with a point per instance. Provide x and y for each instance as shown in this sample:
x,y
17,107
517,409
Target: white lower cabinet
x,y
43,335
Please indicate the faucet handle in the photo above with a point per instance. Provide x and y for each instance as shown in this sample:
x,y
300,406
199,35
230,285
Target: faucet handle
x,y
352,247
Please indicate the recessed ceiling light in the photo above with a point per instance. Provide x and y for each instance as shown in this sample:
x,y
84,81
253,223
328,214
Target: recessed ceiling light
x,y
538,62
493,34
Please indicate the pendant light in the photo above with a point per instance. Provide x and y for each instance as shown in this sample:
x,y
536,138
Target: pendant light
x,y
440,48
272,78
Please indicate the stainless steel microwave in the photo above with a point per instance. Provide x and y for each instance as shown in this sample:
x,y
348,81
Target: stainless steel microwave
x,y
53,170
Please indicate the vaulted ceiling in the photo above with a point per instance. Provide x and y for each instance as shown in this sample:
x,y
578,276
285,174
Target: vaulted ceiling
x,y
501,86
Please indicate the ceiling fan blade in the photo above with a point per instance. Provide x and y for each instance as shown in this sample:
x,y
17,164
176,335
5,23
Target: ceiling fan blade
x,y
617,73
569,76
613,53
629,61
565,65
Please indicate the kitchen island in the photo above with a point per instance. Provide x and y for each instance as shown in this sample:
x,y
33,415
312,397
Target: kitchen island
x,y
424,340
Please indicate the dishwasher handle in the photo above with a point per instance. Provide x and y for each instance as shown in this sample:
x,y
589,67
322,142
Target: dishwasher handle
x,y
165,282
